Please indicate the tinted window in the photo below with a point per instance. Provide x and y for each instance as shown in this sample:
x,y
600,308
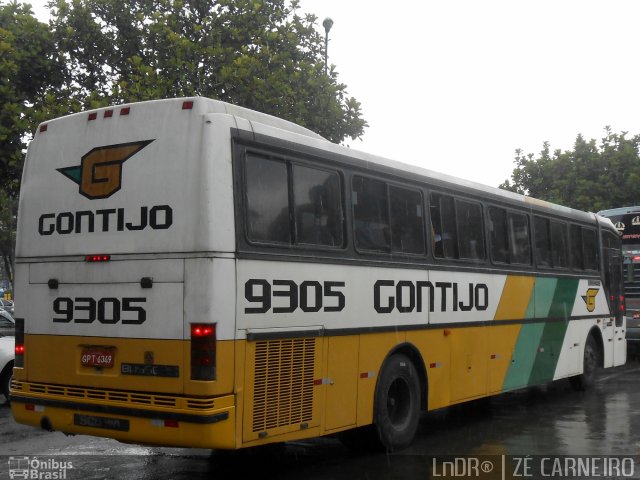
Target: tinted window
x,y
443,225
371,214
407,220
470,230
543,244
267,200
498,235
559,245
519,245
589,249
318,210
457,228
575,239
315,195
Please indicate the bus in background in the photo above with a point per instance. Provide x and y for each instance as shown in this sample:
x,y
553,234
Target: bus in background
x,y
191,273
627,222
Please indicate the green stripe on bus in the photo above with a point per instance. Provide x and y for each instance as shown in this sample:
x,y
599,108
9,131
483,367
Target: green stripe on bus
x,y
523,356
543,294
564,298
548,352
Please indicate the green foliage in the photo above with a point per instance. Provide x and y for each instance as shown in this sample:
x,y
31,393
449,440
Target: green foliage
x,y
27,69
590,177
255,53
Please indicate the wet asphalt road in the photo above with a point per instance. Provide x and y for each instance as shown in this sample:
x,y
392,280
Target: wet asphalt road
x,y
553,420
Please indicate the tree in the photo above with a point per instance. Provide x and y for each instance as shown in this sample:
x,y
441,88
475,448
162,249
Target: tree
x,y
28,67
255,53
590,177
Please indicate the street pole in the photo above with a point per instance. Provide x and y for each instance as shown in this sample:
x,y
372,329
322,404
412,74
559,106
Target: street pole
x,y
327,24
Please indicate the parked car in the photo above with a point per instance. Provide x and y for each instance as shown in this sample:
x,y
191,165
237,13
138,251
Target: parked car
x,y
7,324
6,305
7,355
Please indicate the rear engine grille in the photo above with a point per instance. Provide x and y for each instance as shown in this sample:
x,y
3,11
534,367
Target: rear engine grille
x,y
283,383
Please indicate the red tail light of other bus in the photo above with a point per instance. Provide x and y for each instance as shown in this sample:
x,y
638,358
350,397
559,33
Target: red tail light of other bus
x,y
203,351
19,343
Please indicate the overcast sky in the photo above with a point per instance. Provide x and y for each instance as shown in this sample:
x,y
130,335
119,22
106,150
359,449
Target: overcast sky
x,y
457,86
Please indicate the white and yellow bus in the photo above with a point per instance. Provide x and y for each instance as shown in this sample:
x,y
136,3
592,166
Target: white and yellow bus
x,y
191,273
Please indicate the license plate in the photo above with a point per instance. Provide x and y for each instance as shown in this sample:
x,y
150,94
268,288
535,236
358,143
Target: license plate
x,y
106,423
97,357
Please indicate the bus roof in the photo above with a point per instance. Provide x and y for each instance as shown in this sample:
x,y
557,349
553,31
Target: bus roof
x,y
204,105
619,211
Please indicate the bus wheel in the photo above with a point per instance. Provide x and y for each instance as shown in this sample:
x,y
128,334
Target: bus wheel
x,y
591,364
396,410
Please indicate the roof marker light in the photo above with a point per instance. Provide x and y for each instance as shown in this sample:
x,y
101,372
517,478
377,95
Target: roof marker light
x,y
108,113
187,105
43,128
93,116
125,111
97,258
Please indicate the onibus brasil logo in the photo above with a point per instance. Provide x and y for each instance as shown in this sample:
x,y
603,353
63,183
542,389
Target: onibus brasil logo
x,y
99,174
38,468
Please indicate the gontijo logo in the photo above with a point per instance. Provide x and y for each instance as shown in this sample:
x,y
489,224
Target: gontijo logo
x,y
99,174
590,299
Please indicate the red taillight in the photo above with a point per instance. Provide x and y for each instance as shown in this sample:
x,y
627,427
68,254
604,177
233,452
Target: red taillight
x,y
97,258
202,330
203,351
19,343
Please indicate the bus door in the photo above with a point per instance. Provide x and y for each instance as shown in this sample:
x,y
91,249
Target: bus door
x,y
614,327
618,303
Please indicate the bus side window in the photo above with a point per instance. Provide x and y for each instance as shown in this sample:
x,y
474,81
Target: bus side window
x,y
577,257
543,244
267,200
470,230
559,245
519,238
318,206
590,249
443,223
407,220
371,214
498,235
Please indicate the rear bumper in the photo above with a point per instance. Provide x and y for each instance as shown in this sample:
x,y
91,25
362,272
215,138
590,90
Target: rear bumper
x,y
164,420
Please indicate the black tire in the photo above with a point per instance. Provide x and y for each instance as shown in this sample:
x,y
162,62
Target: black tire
x,y
396,410
5,380
592,362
